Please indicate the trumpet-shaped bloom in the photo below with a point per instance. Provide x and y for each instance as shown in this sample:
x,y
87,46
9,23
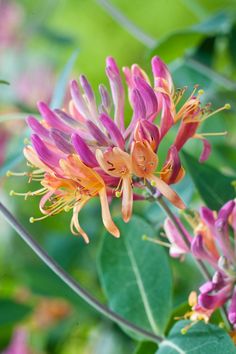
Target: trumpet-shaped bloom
x,y
87,150
212,244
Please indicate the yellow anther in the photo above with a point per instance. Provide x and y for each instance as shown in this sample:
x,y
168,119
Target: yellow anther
x,y
67,208
153,183
144,237
12,193
26,141
9,173
118,194
31,220
227,106
200,92
184,331
221,325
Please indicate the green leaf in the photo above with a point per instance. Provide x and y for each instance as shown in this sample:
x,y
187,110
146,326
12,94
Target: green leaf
x,y
186,38
146,348
200,339
227,154
4,82
214,187
12,312
136,276
60,89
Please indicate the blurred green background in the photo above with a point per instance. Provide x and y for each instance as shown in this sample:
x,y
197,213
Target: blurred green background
x,y
45,43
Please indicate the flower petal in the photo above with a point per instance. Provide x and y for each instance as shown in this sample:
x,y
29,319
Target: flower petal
x,y
127,198
106,216
168,192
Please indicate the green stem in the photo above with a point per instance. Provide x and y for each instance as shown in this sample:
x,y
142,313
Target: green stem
x,y
70,282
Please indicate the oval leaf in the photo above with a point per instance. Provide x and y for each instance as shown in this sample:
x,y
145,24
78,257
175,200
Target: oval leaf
x,y
179,41
200,339
136,276
214,187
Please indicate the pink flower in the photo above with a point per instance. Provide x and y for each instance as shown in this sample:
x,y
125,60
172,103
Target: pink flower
x,y
18,343
86,150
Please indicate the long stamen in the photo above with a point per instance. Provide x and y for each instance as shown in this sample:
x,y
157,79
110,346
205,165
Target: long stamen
x,y
159,242
54,211
210,134
227,106
29,193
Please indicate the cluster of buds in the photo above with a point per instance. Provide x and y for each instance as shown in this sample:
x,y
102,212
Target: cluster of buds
x,y
214,242
88,151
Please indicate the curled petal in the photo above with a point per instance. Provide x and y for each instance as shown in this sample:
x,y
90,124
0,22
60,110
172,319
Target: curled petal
x,y
206,150
75,227
106,216
168,192
127,198
44,200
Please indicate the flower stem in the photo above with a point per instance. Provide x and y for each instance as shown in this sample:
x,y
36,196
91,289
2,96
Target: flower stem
x,y
70,282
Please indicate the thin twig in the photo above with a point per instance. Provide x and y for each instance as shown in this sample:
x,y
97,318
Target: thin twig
x,y
120,18
68,280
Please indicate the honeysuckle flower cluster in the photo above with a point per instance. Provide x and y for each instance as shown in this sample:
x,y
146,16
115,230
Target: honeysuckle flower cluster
x,y
86,150
213,243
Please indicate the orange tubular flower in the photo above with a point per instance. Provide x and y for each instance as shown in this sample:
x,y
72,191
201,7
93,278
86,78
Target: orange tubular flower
x,y
90,185
144,163
117,163
75,186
